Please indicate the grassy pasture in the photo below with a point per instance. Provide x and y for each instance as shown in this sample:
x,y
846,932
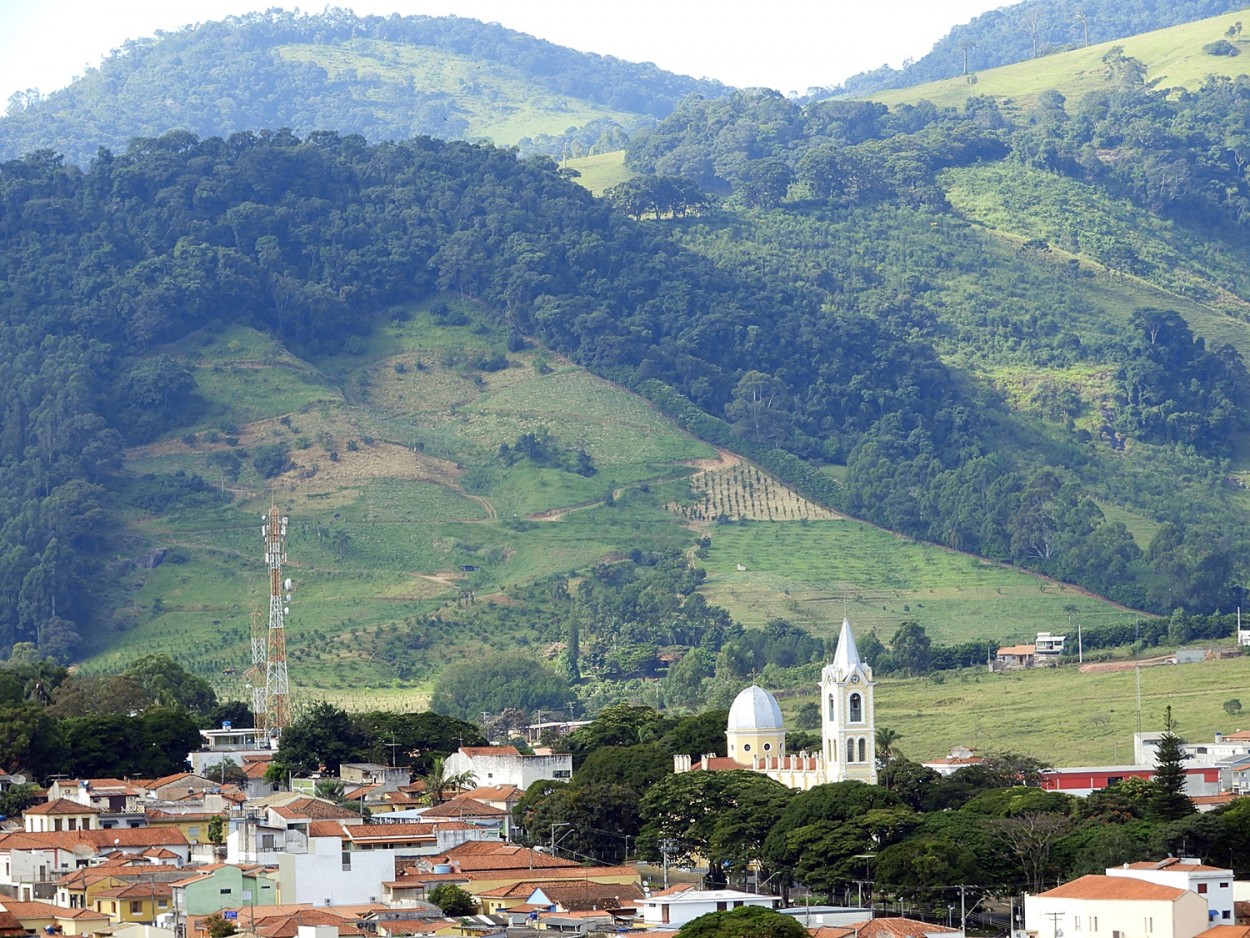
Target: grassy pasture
x,y
420,512
816,573
600,172
1058,715
1173,57
494,101
391,529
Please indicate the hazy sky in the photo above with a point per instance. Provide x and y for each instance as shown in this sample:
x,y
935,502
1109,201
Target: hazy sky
x,y
789,45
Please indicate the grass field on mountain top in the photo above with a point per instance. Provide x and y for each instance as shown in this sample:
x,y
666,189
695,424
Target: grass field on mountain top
x,y
1173,58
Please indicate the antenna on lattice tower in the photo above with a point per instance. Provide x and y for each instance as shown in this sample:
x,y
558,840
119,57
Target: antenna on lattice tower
x,y
256,674
277,689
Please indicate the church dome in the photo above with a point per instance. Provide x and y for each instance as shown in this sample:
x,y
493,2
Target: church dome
x,y
754,709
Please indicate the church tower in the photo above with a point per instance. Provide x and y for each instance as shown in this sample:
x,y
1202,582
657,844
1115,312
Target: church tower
x,y
848,719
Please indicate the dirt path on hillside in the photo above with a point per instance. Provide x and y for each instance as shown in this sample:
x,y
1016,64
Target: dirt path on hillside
x,y
1106,666
487,507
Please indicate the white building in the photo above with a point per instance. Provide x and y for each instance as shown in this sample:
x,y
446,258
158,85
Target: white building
x,y
1114,907
228,743
1212,883
755,735
504,765
680,905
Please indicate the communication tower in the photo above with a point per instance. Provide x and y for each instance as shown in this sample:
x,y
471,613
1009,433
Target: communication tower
x,y
277,691
256,675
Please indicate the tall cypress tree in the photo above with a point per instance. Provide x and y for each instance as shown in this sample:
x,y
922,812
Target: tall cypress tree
x,y
1170,801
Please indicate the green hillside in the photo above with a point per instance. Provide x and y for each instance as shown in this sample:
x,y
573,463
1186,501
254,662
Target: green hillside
x,y
1029,30
399,507
385,78
1059,715
1173,56
491,101
1019,336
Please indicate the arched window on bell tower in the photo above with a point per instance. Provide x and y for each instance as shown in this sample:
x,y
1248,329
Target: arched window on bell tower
x,y
850,750
857,708
833,708
862,754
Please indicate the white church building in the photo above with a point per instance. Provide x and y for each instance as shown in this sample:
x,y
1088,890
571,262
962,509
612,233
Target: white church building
x,y
756,735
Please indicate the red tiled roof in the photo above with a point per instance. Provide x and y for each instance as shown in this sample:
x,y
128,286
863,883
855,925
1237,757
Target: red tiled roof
x,y
1018,651
474,751
361,792
102,840
898,928
1226,931
412,880
178,778
314,808
10,924
36,910
717,764
288,926
464,806
554,873
384,832
496,793
1113,887
141,890
61,806
483,855
582,895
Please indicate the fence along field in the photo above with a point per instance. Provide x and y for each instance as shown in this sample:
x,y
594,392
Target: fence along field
x,y
738,491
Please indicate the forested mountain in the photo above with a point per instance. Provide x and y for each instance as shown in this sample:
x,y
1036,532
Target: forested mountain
x,y
1022,31
820,182
387,78
1018,336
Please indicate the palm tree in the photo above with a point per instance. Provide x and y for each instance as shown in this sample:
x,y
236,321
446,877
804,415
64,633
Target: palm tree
x,y
438,781
886,741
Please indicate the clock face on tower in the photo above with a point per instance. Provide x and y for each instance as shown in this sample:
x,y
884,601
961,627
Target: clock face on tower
x,y
854,678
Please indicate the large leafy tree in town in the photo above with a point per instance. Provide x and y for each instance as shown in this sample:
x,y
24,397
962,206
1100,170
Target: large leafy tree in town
x,y
747,921
469,689
722,816
319,740
823,832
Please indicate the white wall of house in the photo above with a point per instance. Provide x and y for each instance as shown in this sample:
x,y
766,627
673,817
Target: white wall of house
x,y
521,771
1214,885
687,906
1183,917
328,875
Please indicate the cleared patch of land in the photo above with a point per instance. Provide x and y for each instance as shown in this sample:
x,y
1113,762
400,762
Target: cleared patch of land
x,y
1173,57
815,573
600,172
741,491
